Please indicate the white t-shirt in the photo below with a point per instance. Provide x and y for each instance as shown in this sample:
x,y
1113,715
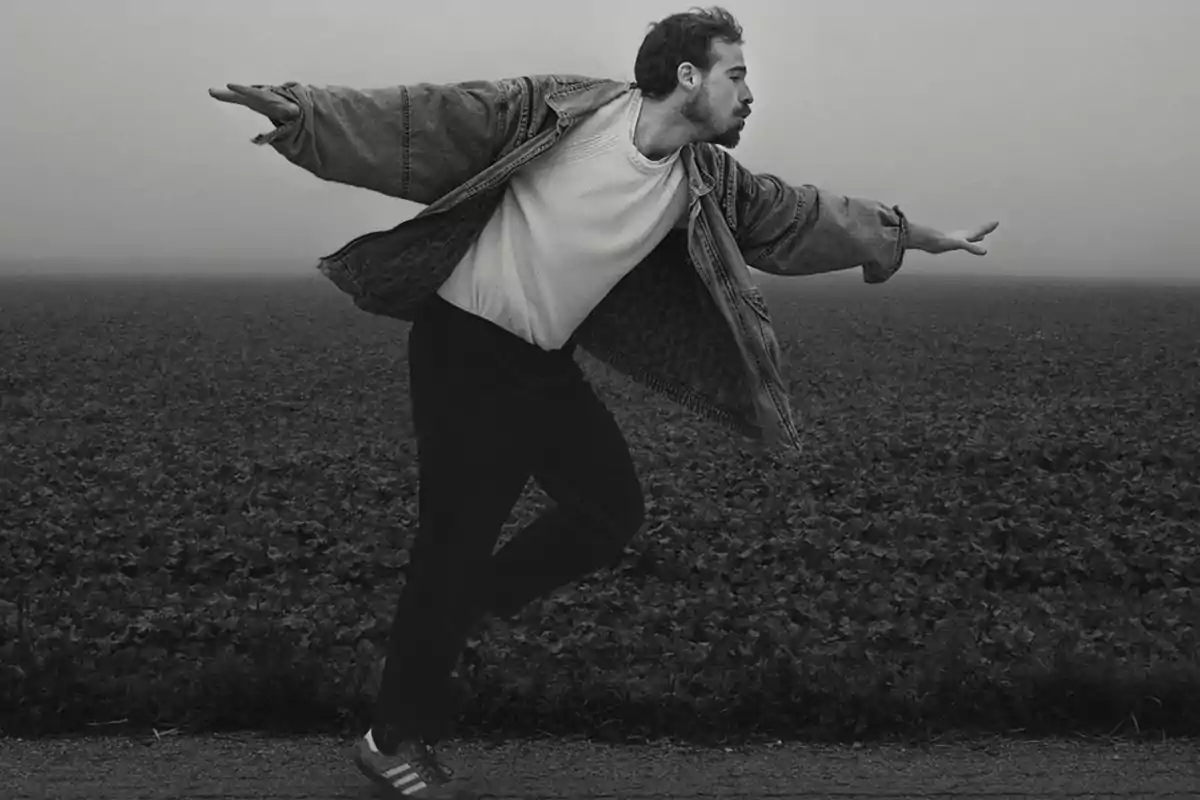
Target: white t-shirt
x,y
571,224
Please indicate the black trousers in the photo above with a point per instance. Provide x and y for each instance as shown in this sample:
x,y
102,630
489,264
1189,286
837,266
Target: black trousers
x,y
490,410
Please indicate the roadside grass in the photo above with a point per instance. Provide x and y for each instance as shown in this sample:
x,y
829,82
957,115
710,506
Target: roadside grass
x,y
209,487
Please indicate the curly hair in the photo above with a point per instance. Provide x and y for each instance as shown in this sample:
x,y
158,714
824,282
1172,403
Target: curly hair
x,y
678,38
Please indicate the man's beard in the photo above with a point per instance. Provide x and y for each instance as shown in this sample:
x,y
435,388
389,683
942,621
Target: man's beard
x,y
698,110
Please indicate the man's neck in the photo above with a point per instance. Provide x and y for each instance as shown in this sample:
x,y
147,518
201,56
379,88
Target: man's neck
x,y
661,129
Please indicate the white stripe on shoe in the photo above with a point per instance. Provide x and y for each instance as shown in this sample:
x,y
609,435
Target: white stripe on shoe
x,y
407,775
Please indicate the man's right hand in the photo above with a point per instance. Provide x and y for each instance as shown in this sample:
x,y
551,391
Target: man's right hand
x,y
274,107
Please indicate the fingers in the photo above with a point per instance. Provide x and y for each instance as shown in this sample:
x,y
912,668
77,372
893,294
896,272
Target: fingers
x,y
260,92
235,93
963,242
244,95
983,231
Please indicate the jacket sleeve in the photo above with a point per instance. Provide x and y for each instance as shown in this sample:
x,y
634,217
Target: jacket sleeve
x,y
414,142
802,230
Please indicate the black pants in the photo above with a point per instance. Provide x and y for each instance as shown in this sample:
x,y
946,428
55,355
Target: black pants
x,y
491,410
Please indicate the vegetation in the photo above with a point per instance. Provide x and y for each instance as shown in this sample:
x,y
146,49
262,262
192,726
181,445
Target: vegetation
x,y
208,489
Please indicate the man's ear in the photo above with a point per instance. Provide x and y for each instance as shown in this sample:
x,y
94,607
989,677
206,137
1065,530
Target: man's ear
x,y
688,76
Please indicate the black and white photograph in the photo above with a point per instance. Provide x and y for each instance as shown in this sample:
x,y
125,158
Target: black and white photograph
x,y
595,400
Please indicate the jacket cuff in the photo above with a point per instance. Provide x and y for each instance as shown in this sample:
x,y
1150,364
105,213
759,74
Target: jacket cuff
x,y
876,272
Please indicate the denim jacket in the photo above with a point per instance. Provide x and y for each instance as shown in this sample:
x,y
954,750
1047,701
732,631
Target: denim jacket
x,y
687,322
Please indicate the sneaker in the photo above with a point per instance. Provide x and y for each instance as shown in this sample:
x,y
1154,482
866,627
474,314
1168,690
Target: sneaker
x,y
412,772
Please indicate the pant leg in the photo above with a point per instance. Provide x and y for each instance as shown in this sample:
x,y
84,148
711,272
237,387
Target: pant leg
x,y
474,395
583,463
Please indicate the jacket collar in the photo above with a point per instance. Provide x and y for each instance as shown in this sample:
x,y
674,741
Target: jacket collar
x,y
577,96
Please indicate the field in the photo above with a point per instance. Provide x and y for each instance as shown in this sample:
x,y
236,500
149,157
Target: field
x,y
207,490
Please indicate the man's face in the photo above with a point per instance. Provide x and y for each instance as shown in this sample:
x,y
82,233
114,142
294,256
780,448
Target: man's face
x,y
718,107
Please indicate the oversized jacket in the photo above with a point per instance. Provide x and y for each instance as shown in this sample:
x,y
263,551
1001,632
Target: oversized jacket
x,y
687,322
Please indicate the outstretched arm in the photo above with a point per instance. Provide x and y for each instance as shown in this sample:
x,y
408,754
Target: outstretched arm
x,y
804,230
414,142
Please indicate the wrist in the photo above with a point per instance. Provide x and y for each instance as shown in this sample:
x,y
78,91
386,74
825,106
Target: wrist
x,y
924,238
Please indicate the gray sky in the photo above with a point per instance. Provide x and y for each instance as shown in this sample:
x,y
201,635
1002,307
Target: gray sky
x,y
1072,122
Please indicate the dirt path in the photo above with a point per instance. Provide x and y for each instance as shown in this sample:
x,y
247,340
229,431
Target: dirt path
x,y
248,766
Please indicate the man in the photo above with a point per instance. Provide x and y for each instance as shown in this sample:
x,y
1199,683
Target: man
x,y
561,211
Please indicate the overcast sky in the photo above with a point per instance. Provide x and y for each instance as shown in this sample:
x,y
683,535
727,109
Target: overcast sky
x,y
1073,122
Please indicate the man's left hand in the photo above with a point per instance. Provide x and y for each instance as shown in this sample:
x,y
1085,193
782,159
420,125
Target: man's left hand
x,y
934,241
